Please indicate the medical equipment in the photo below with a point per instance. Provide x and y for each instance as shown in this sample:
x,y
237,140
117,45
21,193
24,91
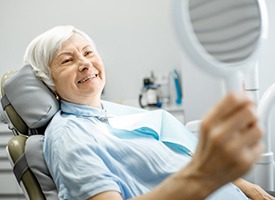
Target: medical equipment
x,y
149,96
224,37
176,79
161,91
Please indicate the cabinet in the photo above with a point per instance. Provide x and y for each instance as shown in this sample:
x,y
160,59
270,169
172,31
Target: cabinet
x,y
9,188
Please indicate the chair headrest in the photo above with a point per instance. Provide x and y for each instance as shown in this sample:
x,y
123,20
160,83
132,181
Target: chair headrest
x,y
29,98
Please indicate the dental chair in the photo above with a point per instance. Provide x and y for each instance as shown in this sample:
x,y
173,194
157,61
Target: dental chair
x,y
29,106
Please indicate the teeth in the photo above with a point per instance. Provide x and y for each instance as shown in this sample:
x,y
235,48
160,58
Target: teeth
x,y
85,79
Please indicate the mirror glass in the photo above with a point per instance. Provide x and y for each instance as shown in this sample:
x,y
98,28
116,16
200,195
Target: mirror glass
x,y
228,29
221,36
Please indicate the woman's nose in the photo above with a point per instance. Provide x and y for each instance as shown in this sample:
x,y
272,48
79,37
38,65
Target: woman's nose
x,y
85,63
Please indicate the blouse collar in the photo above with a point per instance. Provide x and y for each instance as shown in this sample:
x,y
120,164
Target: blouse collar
x,y
82,110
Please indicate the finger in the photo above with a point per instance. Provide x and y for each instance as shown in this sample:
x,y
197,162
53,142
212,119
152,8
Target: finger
x,y
251,154
228,105
233,140
231,128
242,156
251,136
241,120
224,109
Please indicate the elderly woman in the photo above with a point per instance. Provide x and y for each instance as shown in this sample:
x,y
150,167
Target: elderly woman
x,y
90,159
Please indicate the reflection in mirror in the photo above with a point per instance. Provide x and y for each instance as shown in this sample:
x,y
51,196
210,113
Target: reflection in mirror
x,y
228,30
223,37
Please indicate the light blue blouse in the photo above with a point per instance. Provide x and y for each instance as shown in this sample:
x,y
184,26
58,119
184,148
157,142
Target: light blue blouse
x,y
131,152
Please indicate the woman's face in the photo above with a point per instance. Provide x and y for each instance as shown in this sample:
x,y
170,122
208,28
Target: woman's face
x,y
78,72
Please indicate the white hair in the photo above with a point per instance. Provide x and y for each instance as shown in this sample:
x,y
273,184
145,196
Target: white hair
x,y
42,49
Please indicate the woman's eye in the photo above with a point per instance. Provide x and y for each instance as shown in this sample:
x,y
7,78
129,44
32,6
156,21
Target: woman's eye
x,y
88,53
66,61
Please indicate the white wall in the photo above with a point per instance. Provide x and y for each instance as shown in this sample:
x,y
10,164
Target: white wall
x,y
133,37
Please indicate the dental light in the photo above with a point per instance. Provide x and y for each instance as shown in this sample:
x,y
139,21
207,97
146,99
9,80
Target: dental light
x,y
224,37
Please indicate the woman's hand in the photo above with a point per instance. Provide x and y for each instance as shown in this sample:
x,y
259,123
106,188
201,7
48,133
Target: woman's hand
x,y
253,191
229,141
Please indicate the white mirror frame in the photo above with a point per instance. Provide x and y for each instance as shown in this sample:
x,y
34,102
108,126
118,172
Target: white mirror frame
x,y
231,72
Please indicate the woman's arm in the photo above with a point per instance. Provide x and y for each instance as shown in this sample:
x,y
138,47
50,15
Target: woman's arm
x,y
185,186
229,144
252,191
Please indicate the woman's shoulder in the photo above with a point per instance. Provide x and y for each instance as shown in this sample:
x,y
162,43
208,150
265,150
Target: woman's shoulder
x,y
62,120
70,127
58,126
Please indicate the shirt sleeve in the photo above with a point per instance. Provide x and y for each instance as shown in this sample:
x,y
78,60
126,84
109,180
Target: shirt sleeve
x,y
79,164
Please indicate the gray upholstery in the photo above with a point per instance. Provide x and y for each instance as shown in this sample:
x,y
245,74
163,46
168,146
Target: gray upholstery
x,y
30,105
30,97
28,182
35,159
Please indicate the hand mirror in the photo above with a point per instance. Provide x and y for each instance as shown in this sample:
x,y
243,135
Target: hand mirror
x,y
222,36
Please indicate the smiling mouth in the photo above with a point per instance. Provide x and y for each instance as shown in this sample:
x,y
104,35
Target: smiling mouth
x,y
87,78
